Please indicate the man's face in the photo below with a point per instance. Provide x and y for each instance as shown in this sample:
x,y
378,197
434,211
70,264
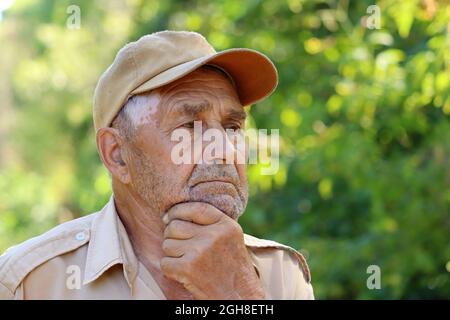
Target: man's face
x,y
204,95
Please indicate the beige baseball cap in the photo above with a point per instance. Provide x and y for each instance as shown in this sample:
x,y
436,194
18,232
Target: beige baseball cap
x,y
162,57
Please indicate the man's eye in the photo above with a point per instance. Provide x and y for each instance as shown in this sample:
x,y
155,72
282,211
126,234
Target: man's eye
x,y
233,127
188,125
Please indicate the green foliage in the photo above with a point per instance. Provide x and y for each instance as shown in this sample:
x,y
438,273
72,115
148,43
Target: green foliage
x,y
363,115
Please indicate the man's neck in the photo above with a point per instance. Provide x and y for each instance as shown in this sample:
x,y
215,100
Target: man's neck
x,y
143,225
145,230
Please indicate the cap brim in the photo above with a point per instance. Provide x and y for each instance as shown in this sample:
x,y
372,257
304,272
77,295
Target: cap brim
x,y
253,73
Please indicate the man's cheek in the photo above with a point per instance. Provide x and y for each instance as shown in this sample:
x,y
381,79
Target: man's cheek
x,y
175,188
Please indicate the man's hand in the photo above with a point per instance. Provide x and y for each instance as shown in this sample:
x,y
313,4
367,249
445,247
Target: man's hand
x,y
205,251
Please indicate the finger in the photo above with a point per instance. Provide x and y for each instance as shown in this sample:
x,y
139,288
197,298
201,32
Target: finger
x,y
174,248
180,229
172,269
197,212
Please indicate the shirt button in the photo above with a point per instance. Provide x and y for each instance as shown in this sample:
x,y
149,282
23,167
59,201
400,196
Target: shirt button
x,y
80,236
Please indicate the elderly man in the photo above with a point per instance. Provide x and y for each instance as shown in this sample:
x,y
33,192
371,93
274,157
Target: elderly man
x,y
170,230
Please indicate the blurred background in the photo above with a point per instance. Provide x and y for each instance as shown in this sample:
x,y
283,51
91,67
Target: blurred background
x,y
363,112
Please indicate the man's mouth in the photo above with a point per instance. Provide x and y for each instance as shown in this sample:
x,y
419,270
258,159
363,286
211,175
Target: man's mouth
x,y
213,181
217,186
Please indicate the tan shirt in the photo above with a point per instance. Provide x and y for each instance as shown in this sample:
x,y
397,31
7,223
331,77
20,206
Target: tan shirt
x,y
92,258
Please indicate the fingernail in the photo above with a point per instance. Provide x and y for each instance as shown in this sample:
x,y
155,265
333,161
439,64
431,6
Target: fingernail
x,y
165,218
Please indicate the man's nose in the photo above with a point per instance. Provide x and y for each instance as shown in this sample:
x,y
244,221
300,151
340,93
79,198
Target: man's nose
x,y
218,146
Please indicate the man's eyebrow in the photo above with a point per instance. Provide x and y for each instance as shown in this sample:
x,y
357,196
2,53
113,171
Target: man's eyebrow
x,y
190,109
196,108
238,114
193,108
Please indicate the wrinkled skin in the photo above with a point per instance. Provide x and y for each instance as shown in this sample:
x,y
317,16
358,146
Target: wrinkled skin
x,y
182,219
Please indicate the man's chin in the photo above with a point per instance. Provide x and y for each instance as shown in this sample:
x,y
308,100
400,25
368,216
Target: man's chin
x,y
222,195
223,202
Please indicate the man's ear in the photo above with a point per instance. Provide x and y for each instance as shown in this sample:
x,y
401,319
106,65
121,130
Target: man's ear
x,y
110,147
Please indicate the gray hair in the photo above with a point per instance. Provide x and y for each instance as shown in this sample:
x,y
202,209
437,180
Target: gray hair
x,y
133,109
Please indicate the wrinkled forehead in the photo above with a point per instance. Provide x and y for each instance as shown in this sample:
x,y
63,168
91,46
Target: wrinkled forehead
x,y
196,77
199,91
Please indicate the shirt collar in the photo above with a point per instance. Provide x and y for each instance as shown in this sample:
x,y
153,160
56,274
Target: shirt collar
x,y
109,245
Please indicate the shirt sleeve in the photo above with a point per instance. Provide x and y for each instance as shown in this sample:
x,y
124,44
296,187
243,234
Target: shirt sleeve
x,y
303,289
5,293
